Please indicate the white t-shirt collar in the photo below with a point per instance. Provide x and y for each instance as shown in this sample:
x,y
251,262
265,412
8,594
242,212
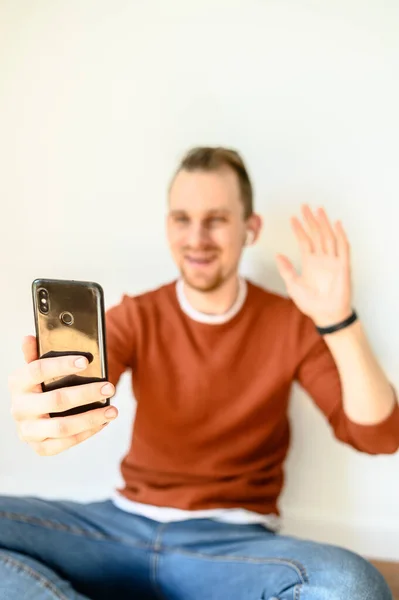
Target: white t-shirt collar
x,y
200,317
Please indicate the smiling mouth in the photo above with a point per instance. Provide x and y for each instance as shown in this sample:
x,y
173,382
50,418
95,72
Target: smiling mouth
x,y
200,261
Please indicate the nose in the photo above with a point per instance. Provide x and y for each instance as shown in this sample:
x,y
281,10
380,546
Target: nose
x,y
197,235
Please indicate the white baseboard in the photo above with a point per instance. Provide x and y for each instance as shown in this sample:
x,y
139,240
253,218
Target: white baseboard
x,y
377,539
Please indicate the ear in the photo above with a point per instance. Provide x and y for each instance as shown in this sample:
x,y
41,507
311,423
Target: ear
x,y
253,229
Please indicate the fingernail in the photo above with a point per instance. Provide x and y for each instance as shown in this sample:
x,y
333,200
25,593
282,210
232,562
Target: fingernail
x,y
107,389
110,413
81,362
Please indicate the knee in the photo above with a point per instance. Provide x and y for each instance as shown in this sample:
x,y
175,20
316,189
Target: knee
x,y
351,576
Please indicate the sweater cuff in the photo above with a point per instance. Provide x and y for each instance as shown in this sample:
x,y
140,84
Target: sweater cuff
x,y
380,438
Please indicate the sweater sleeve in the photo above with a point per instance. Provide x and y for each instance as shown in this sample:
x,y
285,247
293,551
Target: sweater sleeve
x,y
121,334
318,375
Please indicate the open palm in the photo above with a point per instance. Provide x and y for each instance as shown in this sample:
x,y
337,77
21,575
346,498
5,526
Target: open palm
x,y
323,289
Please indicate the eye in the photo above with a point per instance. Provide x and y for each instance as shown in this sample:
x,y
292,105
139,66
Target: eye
x,y
216,220
182,219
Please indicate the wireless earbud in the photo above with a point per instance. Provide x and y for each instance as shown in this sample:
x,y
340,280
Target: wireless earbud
x,y
250,237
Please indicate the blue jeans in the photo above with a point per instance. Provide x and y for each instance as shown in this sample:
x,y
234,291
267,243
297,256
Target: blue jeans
x,y
59,550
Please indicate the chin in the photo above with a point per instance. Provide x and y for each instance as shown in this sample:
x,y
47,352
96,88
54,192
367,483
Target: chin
x,y
203,284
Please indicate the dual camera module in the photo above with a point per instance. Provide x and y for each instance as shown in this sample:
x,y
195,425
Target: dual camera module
x,y
65,317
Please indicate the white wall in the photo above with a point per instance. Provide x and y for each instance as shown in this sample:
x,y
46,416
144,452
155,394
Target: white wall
x,y
99,99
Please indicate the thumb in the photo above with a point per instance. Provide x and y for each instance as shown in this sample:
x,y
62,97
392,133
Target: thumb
x,y
29,348
286,269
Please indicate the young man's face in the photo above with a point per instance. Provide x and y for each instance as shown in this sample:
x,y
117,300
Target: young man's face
x,y
206,227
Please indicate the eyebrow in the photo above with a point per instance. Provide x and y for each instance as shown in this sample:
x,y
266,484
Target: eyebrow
x,y
213,211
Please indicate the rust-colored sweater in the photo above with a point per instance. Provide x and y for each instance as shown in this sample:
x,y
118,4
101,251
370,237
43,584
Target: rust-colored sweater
x,y
211,427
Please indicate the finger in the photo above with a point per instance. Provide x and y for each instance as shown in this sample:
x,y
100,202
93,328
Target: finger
x,y
31,406
29,348
329,241
306,245
39,430
343,247
44,369
315,230
51,447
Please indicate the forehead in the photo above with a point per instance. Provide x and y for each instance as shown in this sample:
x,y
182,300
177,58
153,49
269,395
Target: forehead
x,y
202,191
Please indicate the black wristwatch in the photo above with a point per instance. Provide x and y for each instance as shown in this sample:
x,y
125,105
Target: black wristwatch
x,y
333,328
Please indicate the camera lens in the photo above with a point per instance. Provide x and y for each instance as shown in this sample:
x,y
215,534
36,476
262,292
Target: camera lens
x,y
66,318
43,301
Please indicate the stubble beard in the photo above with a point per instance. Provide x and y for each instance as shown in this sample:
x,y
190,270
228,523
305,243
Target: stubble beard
x,y
207,285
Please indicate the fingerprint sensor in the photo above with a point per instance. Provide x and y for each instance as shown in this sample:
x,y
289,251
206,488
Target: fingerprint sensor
x,y
66,318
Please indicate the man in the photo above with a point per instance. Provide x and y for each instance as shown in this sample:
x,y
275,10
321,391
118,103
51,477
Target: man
x,y
213,358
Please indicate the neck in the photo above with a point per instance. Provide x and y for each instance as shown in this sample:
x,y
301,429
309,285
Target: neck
x,y
215,302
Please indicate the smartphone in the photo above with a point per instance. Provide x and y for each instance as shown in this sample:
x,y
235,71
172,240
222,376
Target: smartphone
x,y
69,320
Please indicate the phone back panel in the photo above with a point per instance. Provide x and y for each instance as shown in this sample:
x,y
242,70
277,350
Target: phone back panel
x,y
71,321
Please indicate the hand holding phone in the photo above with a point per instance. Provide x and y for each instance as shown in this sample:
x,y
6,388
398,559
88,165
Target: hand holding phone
x,y
31,407
67,364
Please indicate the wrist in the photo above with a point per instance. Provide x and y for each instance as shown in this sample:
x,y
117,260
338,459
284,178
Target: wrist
x,y
346,339
339,325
